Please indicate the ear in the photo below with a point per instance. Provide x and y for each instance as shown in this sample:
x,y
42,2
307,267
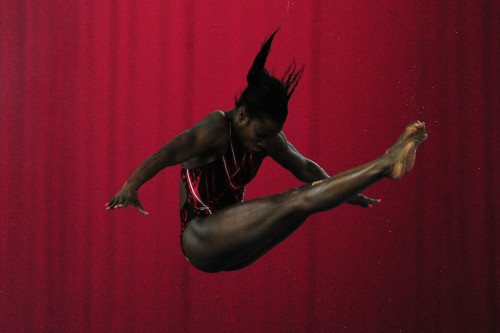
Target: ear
x,y
243,117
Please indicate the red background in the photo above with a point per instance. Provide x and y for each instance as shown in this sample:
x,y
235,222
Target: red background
x,y
88,89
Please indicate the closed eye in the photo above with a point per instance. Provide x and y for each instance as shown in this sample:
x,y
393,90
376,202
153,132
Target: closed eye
x,y
266,135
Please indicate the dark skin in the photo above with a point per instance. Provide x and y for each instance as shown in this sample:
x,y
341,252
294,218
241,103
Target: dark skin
x,y
237,235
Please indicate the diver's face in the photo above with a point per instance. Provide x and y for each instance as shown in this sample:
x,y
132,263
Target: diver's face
x,y
253,133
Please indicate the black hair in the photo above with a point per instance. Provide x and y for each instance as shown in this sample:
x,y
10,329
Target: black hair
x,y
265,95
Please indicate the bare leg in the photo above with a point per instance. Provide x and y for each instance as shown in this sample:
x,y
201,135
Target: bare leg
x,y
236,236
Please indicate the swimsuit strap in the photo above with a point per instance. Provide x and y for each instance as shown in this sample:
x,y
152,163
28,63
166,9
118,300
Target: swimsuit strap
x,y
228,120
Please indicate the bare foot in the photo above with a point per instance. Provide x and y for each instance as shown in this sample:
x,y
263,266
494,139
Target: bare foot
x,y
404,151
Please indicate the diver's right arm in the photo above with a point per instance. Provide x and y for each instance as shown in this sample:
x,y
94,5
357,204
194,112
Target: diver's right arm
x,y
206,135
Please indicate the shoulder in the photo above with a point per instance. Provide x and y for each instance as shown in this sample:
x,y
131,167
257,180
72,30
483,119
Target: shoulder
x,y
277,144
212,129
280,149
218,116
215,119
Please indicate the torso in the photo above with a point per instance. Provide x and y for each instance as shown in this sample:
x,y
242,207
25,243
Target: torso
x,y
196,162
216,179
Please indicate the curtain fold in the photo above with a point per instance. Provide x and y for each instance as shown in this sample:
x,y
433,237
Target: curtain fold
x,y
89,89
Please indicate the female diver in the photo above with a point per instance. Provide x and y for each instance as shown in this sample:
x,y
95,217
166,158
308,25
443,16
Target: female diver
x,y
222,153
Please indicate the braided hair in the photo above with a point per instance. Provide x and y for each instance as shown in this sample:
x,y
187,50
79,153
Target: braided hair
x,y
265,95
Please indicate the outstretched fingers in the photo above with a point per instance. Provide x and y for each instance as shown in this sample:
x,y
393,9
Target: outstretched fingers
x,y
117,203
368,202
111,204
363,201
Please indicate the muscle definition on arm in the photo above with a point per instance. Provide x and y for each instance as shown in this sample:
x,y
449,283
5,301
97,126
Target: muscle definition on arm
x,y
285,154
203,137
306,170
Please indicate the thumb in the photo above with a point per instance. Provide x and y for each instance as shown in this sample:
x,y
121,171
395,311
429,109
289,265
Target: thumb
x,y
373,202
140,209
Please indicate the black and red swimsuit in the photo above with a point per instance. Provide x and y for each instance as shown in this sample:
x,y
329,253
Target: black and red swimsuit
x,y
220,183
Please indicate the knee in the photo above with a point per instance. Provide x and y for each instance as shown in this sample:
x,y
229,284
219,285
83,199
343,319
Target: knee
x,y
301,200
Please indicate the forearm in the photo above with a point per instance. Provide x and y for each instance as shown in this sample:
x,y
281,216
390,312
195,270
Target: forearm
x,y
312,172
146,170
183,147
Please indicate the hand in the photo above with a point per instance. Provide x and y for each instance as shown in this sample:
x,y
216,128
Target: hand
x,y
361,200
126,197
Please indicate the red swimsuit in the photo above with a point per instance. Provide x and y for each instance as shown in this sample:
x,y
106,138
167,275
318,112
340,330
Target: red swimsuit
x,y
218,184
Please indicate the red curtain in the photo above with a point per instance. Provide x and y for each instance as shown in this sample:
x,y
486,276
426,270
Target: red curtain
x,y
89,89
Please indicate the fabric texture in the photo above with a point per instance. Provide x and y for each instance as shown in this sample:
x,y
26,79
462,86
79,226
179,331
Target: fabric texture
x,y
89,89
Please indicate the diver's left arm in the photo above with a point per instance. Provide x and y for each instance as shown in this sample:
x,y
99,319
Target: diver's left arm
x,y
304,169
291,159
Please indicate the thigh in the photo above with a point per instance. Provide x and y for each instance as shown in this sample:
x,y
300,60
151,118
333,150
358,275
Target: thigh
x,y
239,231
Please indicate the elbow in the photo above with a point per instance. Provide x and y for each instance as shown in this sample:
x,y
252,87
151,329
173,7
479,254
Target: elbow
x,y
311,172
